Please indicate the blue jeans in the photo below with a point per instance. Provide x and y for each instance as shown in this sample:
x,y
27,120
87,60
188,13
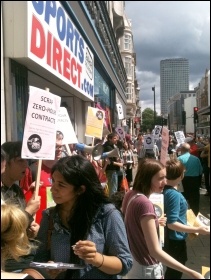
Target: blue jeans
x,y
112,177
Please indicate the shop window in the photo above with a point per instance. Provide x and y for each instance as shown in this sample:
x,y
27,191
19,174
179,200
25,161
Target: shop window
x,y
20,77
101,90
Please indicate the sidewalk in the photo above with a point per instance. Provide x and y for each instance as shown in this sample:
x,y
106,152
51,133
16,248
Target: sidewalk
x,y
199,248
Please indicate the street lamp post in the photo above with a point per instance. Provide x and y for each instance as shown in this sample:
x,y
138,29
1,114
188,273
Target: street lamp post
x,y
153,89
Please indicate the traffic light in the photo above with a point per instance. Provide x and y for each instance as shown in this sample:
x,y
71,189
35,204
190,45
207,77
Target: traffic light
x,y
183,117
195,114
128,122
165,121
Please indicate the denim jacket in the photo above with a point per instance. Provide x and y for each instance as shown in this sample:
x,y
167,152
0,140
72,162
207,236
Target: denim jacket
x,y
107,232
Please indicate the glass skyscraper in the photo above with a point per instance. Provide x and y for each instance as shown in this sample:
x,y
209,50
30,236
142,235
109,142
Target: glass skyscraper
x,y
174,77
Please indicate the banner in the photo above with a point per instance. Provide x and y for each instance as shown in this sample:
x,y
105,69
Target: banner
x,y
94,122
40,126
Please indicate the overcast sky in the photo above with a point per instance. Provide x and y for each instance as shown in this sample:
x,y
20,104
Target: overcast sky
x,y
164,30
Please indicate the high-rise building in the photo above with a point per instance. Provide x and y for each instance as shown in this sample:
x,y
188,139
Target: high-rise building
x,y
174,77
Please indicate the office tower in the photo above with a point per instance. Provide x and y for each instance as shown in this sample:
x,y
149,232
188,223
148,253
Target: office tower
x,y
174,77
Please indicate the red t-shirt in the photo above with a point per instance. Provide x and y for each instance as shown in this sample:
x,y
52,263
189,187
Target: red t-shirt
x,y
45,177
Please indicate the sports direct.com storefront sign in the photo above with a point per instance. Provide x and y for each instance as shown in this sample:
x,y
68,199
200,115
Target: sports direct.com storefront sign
x,y
55,44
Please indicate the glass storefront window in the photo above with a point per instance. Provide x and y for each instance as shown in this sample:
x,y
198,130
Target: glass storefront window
x,y
101,89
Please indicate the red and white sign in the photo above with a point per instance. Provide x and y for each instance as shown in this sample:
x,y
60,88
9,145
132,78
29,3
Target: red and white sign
x,y
55,44
40,126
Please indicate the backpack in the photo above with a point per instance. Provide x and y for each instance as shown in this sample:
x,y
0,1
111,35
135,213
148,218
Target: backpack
x,y
149,153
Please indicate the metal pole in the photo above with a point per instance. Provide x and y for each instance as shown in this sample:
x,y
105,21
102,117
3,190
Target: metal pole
x,y
153,89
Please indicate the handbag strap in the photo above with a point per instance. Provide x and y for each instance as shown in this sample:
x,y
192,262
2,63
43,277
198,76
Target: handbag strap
x,y
132,198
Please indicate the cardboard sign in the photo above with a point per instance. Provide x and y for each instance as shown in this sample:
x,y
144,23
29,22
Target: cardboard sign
x,y
40,126
157,200
64,125
94,122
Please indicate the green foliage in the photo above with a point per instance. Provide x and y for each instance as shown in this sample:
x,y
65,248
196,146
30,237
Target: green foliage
x,y
147,120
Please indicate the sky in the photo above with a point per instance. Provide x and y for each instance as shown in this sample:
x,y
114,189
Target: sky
x,y
163,30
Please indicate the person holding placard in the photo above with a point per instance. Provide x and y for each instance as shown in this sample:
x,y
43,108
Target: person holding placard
x,y
142,225
45,176
139,146
86,228
175,208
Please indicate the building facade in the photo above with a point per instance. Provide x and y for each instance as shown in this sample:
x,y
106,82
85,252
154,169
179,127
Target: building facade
x,y
174,77
182,101
203,104
70,47
126,46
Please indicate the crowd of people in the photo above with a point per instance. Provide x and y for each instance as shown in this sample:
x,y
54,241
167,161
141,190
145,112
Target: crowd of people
x,y
105,232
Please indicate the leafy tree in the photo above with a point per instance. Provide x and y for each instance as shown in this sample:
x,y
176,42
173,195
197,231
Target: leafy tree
x,y
148,119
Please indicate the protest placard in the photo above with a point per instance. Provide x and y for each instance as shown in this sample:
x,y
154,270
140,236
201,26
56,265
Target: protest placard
x,y
179,136
120,131
40,126
120,111
149,141
94,122
64,125
157,131
157,200
164,145
196,221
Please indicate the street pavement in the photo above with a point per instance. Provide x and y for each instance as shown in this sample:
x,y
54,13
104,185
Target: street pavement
x,y
198,249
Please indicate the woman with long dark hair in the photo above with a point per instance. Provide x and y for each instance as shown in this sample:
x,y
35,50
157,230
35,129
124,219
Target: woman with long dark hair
x,y
87,228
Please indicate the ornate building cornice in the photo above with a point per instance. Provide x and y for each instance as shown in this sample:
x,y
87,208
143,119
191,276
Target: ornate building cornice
x,y
99,13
